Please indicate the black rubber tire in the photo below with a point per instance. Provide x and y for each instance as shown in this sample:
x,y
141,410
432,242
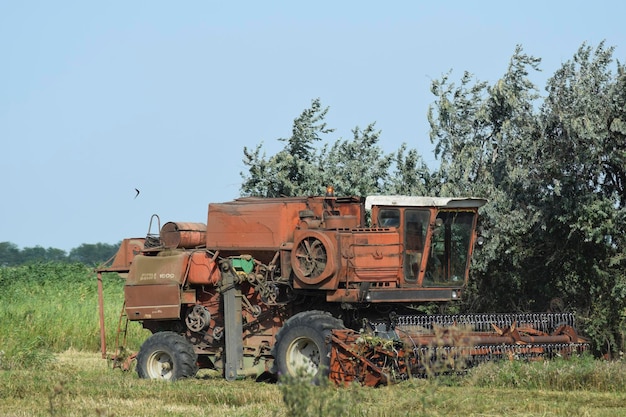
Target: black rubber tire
x,y
301,345
166,356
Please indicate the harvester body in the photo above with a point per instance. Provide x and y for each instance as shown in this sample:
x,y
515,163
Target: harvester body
x,y
270,286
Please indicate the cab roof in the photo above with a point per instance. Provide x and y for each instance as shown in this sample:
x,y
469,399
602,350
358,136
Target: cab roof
x,y
418,201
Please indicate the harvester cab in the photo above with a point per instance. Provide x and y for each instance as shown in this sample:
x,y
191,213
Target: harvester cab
x,y
437,237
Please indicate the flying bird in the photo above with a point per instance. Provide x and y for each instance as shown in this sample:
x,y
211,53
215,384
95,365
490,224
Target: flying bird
x,y
137,193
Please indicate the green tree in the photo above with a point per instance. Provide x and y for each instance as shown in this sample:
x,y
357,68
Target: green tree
x,y
9,254
484,136
92,254
411,175
55,255
357,166
554,175
41,254
584,169
33,254
293,170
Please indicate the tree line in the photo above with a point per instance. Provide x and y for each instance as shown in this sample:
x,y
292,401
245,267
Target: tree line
x,y
552,165
87,253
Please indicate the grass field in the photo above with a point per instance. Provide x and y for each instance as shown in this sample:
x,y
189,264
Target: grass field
x,y
50,365
52,307
82,384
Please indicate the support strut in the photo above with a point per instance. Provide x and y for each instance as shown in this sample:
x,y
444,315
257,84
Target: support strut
x,y
233,326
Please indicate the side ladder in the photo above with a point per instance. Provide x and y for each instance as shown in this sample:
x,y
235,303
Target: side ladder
x,y
121,358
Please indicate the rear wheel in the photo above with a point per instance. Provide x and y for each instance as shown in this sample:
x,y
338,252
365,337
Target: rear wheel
x,y
166,356
302,345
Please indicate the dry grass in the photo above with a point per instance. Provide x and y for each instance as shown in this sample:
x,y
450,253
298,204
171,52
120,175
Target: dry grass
x,y
82,384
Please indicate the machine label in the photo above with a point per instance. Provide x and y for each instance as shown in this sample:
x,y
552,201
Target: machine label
x,y
153,276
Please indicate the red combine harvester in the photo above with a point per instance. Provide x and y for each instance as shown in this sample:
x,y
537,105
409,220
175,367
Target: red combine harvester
x,y
274,286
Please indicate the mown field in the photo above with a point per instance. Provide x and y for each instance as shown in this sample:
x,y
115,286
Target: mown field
x,y
50,365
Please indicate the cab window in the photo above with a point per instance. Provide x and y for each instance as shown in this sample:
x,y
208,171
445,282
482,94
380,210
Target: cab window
x,y
449,251
389,218
415,227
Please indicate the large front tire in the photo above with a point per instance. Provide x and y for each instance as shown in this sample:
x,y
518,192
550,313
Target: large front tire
x,y
303,347
166,356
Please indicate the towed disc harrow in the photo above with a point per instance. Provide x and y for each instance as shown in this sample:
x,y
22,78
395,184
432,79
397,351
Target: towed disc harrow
x,y
420,346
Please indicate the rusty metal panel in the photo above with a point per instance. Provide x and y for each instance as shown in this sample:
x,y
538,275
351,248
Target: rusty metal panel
x,y
203,270
373,256
253,224
152,289
145,302
129,248
405,295
164,269
341,222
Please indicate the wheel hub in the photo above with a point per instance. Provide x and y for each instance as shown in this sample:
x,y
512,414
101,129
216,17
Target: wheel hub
x,y
303,355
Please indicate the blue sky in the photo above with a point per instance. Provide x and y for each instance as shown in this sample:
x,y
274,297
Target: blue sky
x,y
100,98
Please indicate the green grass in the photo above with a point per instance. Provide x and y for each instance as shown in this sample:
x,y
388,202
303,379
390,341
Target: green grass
x,y
51,307
50,365
574,374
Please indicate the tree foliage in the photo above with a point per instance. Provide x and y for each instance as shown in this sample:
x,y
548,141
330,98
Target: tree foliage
x,y
88,254
583,196
92,253
294,169
553,171
485,137
357,166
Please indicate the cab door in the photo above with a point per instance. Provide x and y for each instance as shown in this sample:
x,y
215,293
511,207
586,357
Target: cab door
x,y
415,226
449,251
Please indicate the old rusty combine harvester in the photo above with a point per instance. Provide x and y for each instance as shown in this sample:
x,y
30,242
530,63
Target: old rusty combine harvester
x,y
274,286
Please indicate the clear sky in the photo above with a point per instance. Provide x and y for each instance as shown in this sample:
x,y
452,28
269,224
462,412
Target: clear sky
x,y
100,98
